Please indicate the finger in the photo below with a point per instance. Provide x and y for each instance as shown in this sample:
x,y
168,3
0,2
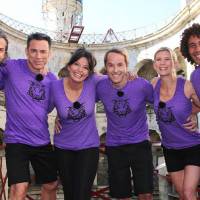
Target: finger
x,y
56,130
188,124
191,128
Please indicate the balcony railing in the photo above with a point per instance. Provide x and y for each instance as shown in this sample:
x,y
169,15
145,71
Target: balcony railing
x,y
85,38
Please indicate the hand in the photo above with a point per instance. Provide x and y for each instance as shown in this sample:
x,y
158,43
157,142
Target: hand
x,y
192,123
131,76
57,125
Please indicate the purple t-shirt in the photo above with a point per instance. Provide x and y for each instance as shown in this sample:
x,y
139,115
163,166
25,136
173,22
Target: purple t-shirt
x,y
172,115
27,104
79,129
195,79
126,111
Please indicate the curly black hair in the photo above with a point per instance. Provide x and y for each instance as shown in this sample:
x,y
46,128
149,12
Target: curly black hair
x,y
194,30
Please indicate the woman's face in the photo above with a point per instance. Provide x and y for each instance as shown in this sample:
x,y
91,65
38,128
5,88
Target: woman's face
x,y
163,63
79,70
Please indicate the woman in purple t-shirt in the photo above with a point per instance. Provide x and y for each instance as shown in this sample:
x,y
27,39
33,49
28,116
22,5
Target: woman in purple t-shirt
x,y
172,105
76,145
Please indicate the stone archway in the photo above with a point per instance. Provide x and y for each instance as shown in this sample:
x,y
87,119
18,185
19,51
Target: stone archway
x,y
181,68
145,69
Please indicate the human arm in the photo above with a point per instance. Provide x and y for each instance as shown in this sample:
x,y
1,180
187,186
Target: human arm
x,y
192,122
4,71
57,125
191,94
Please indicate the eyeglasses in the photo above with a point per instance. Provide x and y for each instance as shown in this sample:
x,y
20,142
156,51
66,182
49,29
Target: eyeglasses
x,y
39,77
120,93
162,104
76,105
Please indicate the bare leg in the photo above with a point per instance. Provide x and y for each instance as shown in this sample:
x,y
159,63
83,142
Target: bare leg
x,y
191,180
48,191
18,191
177,180
147,196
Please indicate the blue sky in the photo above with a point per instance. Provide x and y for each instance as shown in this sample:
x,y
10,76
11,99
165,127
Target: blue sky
x,y
100,15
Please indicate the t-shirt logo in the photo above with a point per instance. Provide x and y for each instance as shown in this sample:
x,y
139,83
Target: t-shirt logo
x,y
37,91
121,107
76,113
165,114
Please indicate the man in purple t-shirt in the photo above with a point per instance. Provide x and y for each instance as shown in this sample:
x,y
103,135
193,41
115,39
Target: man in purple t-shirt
x,y
190,49
3,46
127,137
26,134
3,52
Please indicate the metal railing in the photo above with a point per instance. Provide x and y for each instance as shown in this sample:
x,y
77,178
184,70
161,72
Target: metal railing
x,y
86,38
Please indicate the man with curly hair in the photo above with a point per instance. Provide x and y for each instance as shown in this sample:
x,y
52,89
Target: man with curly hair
x,y
190,49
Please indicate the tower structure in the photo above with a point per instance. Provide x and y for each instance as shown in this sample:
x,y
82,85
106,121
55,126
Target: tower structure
x,y
62,15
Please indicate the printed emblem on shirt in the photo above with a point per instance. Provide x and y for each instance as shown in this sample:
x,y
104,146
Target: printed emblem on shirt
x,y
121,107
165,114
76,114
37,91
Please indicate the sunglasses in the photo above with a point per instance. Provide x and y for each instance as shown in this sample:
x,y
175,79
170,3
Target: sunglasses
x,y
120,93
76,105
39,77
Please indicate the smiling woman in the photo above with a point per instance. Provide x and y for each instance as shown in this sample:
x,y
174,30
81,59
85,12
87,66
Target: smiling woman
x,y
173,106
77,143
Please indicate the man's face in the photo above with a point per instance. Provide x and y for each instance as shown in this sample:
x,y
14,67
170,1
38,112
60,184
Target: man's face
x,y
194,48
2,49
38,54
116,68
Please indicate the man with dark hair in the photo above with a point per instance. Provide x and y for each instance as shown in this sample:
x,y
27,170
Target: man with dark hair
x,y
3,46
3,52
27,138
190,49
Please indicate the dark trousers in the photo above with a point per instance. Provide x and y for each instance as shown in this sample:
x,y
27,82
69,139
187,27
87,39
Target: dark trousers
x,y
77,170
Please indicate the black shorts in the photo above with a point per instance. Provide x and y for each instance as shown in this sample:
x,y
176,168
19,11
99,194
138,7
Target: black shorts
x,y
77,170
19,157
177,159
127,162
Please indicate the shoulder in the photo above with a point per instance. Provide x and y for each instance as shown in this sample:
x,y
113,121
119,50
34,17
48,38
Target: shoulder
x,y
188,88
102,81
51,76
96,77
195,74
188,85
141,81
16,62
154,81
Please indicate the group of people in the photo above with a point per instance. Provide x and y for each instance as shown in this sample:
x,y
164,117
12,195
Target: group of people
x,y
32,92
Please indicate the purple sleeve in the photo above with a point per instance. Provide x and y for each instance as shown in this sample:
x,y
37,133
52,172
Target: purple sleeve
x,y
98,88
51,98
148,89
194,78
98,78
51,93
4,71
